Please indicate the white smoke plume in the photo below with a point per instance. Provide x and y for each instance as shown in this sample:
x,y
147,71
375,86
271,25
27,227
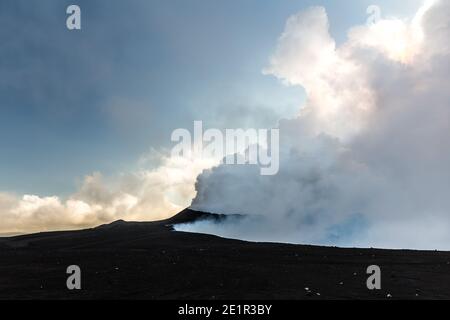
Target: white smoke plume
x,y
367,162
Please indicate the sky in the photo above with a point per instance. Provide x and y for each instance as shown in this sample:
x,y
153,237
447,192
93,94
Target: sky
x,y
86,117
95,100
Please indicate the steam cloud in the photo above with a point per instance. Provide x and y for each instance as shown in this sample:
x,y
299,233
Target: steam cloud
x,y
367,161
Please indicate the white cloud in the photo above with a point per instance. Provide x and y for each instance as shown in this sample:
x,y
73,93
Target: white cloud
x,y
338,96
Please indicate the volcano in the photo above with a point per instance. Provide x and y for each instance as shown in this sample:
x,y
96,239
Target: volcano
x,y
149,260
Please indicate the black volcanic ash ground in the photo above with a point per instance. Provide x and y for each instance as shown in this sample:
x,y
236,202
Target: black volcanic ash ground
x,y
148,260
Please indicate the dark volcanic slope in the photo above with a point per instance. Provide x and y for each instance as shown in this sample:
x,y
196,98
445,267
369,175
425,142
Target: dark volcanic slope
x,y
148,260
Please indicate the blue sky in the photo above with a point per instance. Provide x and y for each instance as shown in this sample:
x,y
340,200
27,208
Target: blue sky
x,y
75,102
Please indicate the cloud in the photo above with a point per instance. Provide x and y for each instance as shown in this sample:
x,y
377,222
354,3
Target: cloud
x,y
147,194
338,97
366,162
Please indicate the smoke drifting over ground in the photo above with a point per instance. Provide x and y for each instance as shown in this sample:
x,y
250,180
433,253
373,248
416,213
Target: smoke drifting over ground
x,y
367,162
